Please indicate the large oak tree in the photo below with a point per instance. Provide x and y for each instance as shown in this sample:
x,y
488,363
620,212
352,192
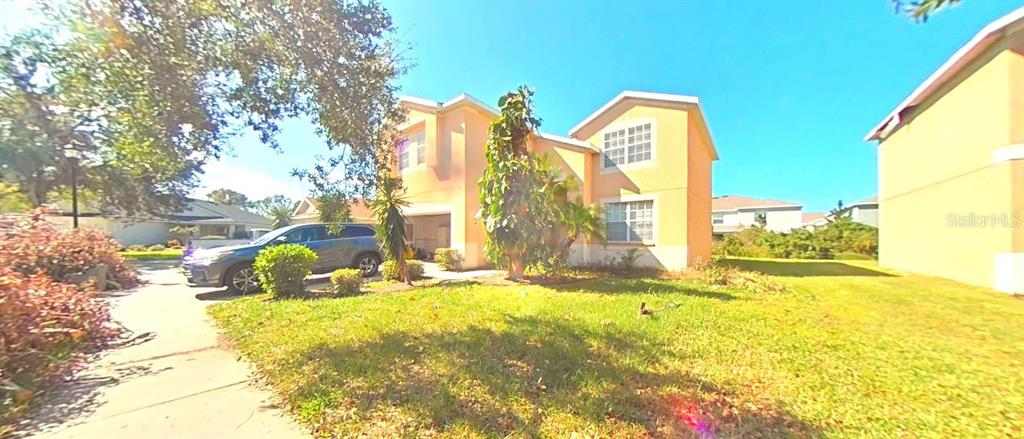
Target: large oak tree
x,y
154,89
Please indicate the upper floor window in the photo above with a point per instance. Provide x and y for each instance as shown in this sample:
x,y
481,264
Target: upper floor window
x,y
412,151
628,145
717,218
631,221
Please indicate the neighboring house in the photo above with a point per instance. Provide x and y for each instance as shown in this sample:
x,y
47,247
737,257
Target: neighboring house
x,y
209,219
731,213
814,220
951,166
864,211
644,157
306,212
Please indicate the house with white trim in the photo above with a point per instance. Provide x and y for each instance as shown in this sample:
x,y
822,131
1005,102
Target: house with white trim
x,y
644,157
951,166
732,213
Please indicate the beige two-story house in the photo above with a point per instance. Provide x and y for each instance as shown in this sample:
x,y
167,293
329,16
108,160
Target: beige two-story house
x,y
644,157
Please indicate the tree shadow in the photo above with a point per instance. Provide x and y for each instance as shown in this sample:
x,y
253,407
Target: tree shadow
x,y
804,268
639,286
527,377
217,296
75,399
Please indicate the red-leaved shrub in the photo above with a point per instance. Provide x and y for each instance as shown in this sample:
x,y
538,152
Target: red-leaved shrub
x,y
44,318
40,319
36,246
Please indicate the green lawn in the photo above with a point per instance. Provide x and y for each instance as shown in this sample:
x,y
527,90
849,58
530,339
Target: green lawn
x,y
156,255
852,351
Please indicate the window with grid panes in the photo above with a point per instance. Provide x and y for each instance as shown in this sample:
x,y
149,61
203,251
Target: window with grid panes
x,y
630,221
627,145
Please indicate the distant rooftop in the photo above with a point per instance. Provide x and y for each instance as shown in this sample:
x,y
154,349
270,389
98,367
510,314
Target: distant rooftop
x,y
736,202
810,217
869,200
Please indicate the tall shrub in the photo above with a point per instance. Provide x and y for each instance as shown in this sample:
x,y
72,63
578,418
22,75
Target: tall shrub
x,y
515,210
283,268
41,321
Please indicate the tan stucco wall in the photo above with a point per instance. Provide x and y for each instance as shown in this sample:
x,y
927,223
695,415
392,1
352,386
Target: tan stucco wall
x,y
938,167
681,190
698,196
677,178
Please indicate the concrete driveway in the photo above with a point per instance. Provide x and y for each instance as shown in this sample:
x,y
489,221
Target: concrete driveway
x,y
173,380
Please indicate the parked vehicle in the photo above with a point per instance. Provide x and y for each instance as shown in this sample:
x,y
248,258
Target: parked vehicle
x,y
355,247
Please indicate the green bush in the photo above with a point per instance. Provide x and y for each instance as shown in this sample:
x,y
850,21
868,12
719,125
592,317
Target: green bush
x,y
156,248
282,268
137,248
389,270
448,258
841,236
628,259
346,282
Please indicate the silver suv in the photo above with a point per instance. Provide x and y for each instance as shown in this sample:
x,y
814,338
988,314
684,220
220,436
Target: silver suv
x,y
355,247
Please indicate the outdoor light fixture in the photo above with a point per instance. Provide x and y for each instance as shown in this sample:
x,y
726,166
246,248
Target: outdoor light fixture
x,y
73,155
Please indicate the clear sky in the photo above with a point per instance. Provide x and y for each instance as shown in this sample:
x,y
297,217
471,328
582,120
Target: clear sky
x,y
789,88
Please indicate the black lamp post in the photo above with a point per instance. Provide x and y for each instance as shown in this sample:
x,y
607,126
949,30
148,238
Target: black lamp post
x,y
73,155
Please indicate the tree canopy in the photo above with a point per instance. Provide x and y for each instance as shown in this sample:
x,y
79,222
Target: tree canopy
x,y
920,10
152,90
228,196
265,205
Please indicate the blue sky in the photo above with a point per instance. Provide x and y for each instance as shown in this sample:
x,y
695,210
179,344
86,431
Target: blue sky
x,y
789,88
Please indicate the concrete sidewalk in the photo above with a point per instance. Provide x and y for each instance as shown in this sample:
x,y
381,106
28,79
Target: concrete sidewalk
x,y
175,380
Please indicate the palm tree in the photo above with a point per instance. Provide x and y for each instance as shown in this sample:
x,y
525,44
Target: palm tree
x,y
387,208
280,216
575,218
580,219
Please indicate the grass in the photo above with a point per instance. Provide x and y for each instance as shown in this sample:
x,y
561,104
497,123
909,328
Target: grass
x,y
156,255
851,351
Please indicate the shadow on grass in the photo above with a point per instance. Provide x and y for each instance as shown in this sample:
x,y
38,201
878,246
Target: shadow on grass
x,y
529,377
803,268
217,295
639,286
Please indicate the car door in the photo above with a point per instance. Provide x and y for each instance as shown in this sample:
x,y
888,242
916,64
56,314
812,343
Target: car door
x,y
355,240
333,250
314,238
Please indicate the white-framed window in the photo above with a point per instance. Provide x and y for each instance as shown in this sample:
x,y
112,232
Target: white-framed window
x,y
412,150
629,221
629,144
717,218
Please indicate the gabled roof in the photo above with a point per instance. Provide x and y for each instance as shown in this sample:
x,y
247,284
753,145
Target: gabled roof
x,y
657,97
211,212
961,58
568,141
466,99
305,204
462,99
865,202
813,217
728,203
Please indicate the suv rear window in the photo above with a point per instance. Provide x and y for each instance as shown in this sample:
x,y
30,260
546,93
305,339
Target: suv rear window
x,y
356,232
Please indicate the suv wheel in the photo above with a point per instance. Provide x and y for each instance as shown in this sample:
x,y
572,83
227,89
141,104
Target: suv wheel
x,y
241,279
368,264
